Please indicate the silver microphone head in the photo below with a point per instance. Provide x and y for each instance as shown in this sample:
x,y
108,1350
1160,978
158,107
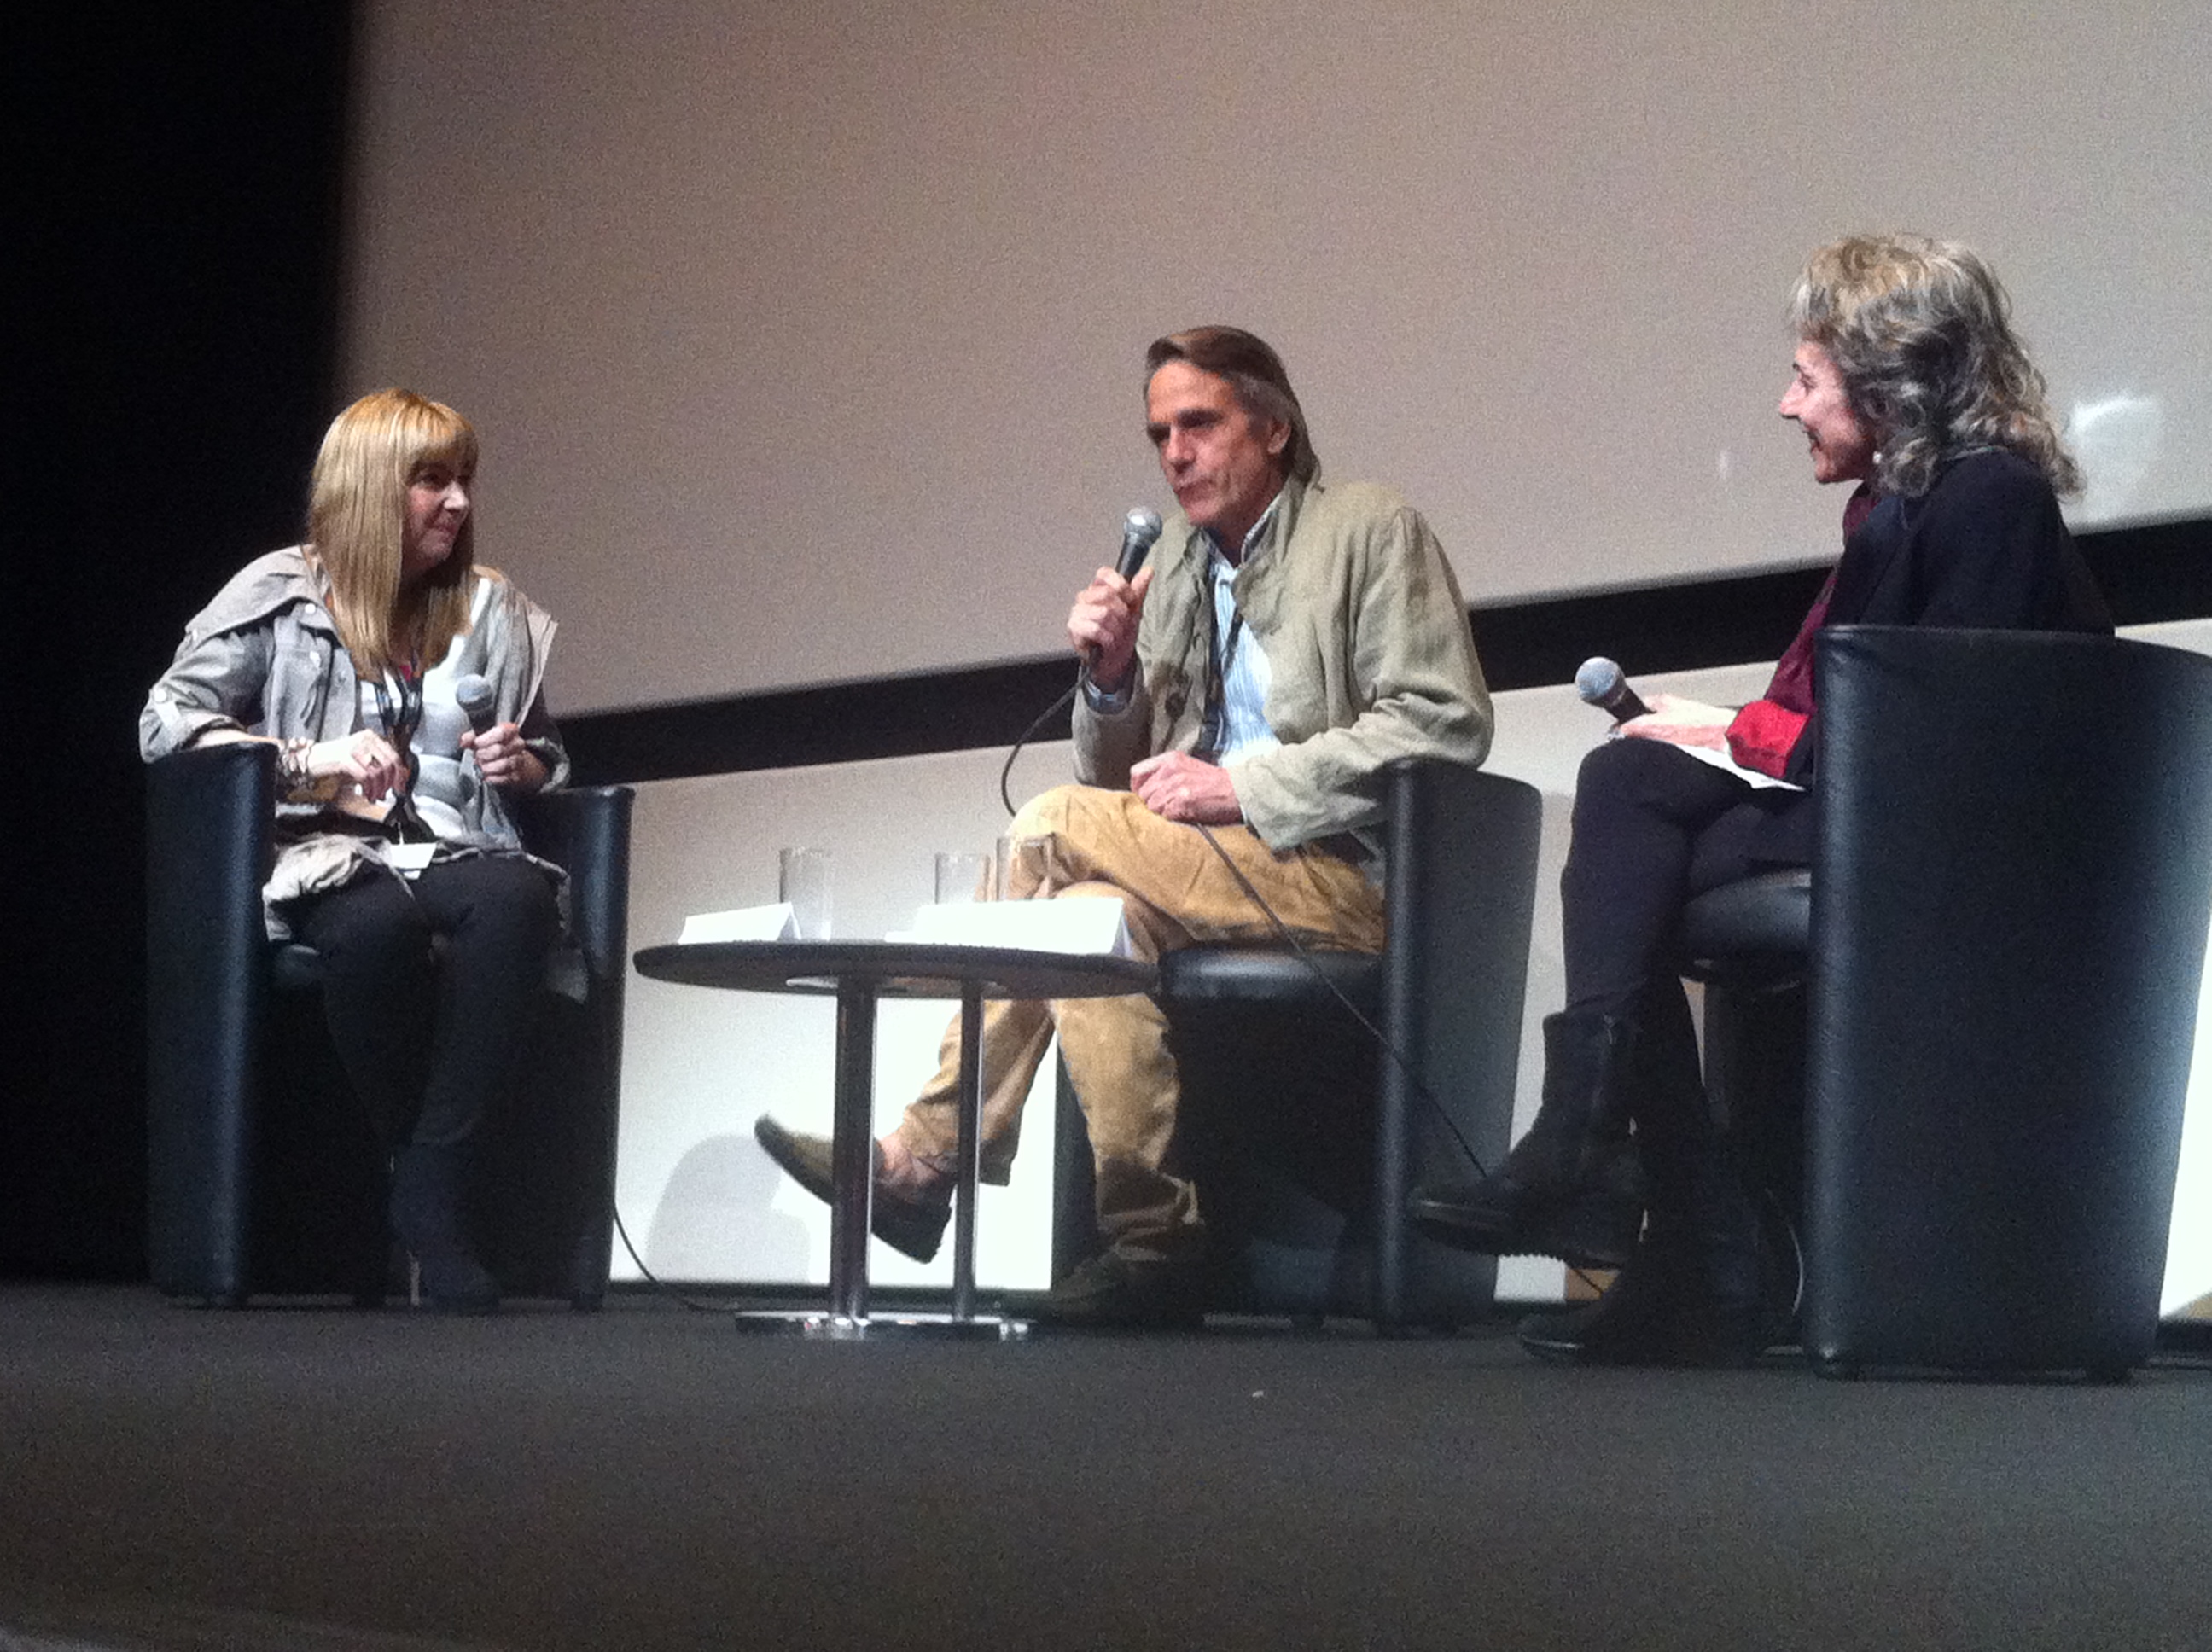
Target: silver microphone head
x,y
1598,678
1141,526
474,694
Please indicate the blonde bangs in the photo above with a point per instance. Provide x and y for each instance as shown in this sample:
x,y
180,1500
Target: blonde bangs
x,y
430,432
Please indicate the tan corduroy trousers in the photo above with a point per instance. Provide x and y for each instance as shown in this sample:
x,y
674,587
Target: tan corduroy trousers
x,y
1081,841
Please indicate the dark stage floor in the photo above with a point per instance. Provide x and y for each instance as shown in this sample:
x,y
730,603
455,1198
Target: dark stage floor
x,y
647,1477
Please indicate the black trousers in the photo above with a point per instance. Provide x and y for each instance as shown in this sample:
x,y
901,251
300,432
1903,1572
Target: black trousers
x,y
431,1042
1652,827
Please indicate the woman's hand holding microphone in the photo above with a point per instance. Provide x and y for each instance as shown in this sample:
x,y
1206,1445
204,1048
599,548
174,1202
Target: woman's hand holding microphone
x,y
506,763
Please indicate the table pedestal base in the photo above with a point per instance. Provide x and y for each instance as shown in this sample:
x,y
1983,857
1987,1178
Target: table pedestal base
x,y
817,1327
859,972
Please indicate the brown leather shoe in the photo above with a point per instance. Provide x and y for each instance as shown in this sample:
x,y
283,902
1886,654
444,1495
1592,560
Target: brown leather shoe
x,y
1116,1291
911,1226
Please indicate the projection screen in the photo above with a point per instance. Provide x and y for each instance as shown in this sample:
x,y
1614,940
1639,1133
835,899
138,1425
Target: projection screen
x,y
805,340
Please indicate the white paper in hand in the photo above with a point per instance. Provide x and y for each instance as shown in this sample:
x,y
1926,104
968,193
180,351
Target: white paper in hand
x,y
1727,764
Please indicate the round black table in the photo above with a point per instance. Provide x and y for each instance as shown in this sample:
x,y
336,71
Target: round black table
x,y
858,973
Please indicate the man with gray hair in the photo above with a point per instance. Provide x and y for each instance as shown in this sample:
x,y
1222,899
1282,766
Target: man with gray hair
x,y
1243,692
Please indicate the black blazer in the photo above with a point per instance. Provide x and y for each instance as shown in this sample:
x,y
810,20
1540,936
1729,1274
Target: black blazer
x,y
1983,548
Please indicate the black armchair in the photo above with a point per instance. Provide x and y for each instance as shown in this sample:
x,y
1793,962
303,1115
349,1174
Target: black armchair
x,y
2005,926
1302,1136
265,1176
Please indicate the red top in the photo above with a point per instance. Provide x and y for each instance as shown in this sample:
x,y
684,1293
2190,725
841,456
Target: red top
x,y
1764,732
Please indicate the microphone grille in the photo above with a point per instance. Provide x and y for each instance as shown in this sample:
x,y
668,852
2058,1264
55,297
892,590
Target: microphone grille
x,y
474,692
1142,524
1598,677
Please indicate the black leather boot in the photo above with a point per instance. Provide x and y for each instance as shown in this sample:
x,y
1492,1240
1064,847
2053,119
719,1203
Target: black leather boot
x,y
1691,1291
427,1219
1570,1187
1690,1295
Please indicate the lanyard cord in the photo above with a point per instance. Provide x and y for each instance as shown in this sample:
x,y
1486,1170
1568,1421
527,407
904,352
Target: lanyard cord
x,y
399,728
1220,659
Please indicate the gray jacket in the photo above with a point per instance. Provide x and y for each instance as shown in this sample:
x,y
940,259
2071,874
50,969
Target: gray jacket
x,y
265,658
1367,640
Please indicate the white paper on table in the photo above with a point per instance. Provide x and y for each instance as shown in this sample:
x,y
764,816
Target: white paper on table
x,y
1091,925
770,923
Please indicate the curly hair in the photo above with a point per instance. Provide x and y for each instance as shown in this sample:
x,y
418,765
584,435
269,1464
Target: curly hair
x,y
1920,330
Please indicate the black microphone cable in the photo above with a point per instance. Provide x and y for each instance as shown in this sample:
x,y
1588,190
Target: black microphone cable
x,y
1428,1096
1042,718
659,1284
1140,529
1382,1042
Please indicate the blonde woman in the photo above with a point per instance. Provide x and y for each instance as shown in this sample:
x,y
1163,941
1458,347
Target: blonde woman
x,y
1907,383
394,820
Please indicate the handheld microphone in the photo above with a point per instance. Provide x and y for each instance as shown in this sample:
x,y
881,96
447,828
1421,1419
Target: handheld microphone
x,y
476,698
1600,681
1140,529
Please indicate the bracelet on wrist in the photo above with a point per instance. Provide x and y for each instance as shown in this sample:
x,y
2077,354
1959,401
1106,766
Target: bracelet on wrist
x,y
293,778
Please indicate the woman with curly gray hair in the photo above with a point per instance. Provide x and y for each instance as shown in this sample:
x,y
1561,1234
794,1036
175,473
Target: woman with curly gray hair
x,y
1909,383
1920,332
